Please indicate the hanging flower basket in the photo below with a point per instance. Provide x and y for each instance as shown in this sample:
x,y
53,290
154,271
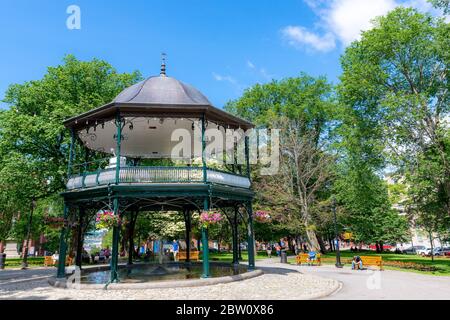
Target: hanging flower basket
x,y
210,217
106,220
261,216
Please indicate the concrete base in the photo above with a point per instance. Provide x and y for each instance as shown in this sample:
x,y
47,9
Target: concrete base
x,y
63,282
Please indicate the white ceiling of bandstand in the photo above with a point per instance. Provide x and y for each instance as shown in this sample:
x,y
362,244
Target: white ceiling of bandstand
x,y
152,138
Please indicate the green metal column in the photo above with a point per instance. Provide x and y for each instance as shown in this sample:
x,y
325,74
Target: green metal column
x,y
251,239
205,245
188,227
115,246
116,230
235,237
63,247
131,228
78,259
62,239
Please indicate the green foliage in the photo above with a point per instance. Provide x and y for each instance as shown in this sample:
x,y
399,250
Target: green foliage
x,y
34,142
394,95
33,125
304,109
20,181
441,4
160,225
304,98
107,239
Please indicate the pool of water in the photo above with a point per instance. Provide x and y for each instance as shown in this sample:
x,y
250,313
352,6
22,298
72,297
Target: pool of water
x,y
157,272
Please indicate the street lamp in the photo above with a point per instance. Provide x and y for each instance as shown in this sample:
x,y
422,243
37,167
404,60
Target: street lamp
x,y
30,219
336,241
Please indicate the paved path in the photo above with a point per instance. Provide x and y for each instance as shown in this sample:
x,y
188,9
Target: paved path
x,y
277,282
280,281
379,285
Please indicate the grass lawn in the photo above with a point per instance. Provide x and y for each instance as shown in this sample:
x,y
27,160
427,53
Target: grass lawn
x,y
392,261
221,257
17,262
228,257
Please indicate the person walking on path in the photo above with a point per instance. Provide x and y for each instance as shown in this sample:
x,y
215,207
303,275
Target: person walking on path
x,y
175,249
269,250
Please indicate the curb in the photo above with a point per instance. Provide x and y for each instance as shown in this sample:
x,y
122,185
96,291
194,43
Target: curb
x,y
62,283
336,288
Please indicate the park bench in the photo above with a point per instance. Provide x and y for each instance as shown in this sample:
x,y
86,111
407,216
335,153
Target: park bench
x,y
48,261
376,261
302,258
69,261
193,255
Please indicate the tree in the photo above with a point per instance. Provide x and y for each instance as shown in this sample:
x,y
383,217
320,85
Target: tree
x,y
441,4
33,124
395,90
20,182
369,213
302,107
33,141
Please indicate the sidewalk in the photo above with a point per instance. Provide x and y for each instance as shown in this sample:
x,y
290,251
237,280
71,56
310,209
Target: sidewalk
x,y
380,285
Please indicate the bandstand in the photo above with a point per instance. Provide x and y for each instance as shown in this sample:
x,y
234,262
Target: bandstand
x,y
117,146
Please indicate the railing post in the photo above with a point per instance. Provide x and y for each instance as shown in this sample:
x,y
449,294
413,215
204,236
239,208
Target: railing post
x,y
119,138
205,178
247,155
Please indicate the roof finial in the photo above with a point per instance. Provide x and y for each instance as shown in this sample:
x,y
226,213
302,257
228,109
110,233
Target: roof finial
x,y
163,65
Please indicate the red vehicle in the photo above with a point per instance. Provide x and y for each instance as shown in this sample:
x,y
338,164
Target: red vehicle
x,y
386,247
446,252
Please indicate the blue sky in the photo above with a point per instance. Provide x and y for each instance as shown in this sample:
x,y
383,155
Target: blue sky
x,y
220,47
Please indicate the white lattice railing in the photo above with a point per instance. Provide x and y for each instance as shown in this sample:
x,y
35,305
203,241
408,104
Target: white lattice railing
x,y
156,175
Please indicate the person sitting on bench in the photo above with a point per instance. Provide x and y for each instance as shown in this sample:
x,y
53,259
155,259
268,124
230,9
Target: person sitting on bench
x,y
311,257
357,262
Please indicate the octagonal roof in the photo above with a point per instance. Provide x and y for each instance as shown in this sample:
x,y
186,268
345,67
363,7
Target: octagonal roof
x,y
162,90
158,96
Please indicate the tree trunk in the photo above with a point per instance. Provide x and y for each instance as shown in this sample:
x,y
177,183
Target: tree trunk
x,y
131,227
321,244
431,245
330,243
2,246
312,239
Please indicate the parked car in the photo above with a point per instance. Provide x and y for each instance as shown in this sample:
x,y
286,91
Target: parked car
x,y
413,249
438,251
424,252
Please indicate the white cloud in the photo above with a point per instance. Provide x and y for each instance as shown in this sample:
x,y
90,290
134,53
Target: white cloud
x,y
261,72
343,20
347,18
299,36
229,79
